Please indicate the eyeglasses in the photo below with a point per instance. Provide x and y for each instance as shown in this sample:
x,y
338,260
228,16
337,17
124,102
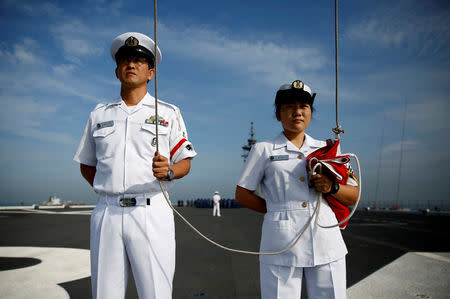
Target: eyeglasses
x,y
139,61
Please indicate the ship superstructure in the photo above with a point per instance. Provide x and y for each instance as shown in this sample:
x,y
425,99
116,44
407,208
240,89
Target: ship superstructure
x,y
250,142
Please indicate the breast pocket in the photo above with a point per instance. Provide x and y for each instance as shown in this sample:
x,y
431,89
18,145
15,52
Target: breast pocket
x,y
104,142
148,132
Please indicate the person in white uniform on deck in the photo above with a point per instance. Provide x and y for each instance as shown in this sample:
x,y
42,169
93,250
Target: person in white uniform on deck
x,y
279,167
216,204
132,226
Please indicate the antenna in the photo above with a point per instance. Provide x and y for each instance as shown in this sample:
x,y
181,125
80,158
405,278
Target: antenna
x,y
377,185
401,158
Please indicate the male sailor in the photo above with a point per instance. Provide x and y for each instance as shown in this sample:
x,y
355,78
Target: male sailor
x,y
132,227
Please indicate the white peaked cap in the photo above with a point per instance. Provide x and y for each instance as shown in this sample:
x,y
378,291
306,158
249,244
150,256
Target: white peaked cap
x,y
289,86
135,39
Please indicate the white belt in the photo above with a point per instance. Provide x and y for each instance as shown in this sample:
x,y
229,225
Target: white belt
x,y
289,205
128,200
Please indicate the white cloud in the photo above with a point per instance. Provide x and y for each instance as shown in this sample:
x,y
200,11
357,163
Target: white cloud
x,y
406,145
42,9
423,115
62,87
424,34
78,47
63,69
23,111
374,30
22,52
43,81
114,8
112,81
45,135
259,59
76,39
429,114
24,116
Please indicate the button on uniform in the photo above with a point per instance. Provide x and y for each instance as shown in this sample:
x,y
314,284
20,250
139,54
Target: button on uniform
x,y
304,204
302,179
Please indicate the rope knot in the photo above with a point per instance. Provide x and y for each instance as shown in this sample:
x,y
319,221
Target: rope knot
x,y
338,130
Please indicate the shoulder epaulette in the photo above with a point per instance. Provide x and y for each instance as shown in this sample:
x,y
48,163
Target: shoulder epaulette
x,y
177,114
100,105
175,108
112,103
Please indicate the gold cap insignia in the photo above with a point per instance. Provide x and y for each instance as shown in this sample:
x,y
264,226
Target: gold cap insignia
x,y
297,84
131,42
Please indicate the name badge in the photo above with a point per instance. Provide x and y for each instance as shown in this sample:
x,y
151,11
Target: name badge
x,y
105,124
279,158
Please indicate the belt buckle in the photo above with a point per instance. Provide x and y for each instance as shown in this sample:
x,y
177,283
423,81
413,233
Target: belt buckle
x,y
127,202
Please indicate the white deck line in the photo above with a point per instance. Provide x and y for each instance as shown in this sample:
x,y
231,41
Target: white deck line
x,y
413,275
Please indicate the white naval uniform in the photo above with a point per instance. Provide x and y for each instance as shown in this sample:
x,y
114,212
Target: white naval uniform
x,y
216,205
120,142
280,168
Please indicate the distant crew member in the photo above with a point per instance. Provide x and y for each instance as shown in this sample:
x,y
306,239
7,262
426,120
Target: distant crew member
x,y
216,204
132,226
279,167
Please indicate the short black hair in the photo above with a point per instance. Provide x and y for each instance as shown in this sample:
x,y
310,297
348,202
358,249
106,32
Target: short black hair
x,y
290,96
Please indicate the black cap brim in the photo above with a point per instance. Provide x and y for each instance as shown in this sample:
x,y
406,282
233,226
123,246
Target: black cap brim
x,y
125,51
294,95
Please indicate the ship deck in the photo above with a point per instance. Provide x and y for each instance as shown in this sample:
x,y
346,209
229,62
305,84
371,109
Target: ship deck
x,y
45,254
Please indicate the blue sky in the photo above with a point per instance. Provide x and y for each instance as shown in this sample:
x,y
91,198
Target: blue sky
x,y
222,64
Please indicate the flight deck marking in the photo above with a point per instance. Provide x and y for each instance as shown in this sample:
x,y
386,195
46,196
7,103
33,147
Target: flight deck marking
x,y
58,265
434,256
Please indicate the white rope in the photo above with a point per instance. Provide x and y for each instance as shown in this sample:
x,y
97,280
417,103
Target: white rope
x,y
165,192
338,129
357,200
155,55
238,250
316,210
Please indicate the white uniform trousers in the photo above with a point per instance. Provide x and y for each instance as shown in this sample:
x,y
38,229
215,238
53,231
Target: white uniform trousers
x,y
143,237
216,209
326,281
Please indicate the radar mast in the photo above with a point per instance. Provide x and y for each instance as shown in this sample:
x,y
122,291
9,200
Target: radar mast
x,y
250,142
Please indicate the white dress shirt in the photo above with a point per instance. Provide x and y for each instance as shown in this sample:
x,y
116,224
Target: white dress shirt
x,y
120,142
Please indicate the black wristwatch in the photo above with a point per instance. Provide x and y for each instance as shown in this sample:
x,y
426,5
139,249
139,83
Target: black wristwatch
x,y
334,188
170,175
